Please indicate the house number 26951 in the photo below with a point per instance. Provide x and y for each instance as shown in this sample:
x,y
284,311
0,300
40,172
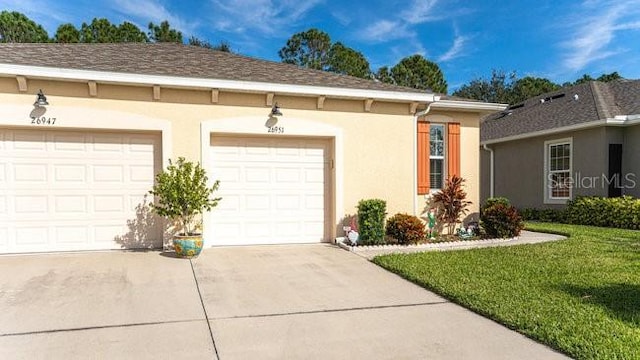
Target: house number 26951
x,y
276,130
41,120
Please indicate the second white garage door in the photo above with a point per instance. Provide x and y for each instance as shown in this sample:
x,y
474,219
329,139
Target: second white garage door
x,y
274,190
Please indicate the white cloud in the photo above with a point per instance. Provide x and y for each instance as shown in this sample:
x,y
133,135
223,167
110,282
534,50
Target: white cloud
x,y
342,18
456,50
270,17
150,10
419,12
386,30
595,31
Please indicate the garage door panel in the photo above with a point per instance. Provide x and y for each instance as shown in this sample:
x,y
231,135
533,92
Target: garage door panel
x,y
4,235
3,205
30,173
23,141
66,235
284,175
84,192
108,173
272,190
28,236
70,204
69,174
64,144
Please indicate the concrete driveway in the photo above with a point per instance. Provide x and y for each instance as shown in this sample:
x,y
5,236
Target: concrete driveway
x,y
270,302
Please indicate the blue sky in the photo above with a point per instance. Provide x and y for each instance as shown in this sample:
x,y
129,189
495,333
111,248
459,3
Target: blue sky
x,y
559,40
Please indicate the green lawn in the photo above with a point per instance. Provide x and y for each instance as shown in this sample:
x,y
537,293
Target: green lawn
x,y
580,295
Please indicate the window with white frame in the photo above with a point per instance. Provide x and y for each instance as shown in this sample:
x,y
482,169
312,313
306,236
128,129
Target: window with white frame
x,y
558,181
436,156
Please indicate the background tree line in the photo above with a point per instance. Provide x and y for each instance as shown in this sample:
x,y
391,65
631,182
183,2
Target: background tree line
x,y
16,27
312,49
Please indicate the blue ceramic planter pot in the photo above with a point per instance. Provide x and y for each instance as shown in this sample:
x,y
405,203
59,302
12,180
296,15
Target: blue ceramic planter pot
x,y
187,246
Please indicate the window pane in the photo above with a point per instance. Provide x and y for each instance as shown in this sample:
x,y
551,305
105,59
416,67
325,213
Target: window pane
x,y
559,157
436,173
436,132
436,137
560,185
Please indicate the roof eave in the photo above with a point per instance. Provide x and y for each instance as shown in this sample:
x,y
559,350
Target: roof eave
x,y
622,120
42,72
469,106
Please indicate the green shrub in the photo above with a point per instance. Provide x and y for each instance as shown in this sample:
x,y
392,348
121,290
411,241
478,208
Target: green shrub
x,y
371,215
544,215
529,214
495,200
621,212
501,220
405,228
552,215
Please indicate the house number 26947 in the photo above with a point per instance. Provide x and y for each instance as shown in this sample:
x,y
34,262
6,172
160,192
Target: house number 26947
x,y
276,130
41,120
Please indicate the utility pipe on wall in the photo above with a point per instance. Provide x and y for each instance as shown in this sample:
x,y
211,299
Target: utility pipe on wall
x,y
415,154
485,147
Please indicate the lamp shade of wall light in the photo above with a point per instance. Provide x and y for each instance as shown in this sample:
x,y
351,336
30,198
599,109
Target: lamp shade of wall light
x,y
275,110
41,100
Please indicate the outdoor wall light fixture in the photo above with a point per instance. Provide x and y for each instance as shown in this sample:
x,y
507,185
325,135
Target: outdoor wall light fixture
x,y
41,100
275,110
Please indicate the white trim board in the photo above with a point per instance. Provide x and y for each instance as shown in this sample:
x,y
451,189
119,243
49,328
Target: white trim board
x,y
202,83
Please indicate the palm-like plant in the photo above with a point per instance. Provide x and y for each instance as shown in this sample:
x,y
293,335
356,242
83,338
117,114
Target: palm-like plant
x,y
452,202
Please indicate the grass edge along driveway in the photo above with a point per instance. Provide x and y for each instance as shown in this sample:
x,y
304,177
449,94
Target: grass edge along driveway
x,y
580,296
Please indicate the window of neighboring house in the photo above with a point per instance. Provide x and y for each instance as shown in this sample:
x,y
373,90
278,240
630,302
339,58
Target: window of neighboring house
x,y
436,156
558,161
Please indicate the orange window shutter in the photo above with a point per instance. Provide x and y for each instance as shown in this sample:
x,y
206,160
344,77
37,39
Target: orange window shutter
x,y
453,149
423,158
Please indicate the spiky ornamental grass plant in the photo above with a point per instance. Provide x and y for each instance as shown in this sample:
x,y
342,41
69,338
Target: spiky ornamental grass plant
x,y
182,194
452,202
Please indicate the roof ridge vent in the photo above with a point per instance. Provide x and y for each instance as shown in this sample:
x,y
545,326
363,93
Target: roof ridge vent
x,y
551,98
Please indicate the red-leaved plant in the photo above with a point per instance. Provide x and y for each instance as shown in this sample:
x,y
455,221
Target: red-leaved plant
x,y
452,202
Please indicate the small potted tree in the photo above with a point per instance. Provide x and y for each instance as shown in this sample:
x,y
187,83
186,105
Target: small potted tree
x,y
182,195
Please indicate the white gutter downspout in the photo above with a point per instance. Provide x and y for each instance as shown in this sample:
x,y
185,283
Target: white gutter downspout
x,y
490,169
415,154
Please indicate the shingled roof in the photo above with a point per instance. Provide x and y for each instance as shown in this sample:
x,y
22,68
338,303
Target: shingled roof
x,y
179,60
586,102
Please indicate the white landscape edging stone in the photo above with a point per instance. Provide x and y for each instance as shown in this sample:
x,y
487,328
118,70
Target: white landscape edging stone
x,y
341,242
526,237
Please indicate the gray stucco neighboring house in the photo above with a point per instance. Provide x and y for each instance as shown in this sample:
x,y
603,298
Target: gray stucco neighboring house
x,y
582,140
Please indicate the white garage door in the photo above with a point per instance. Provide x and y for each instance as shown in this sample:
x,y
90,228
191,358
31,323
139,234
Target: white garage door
x,y
72,190
274,190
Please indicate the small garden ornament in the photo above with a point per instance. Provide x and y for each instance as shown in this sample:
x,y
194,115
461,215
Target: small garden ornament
x,y
352,233
431,216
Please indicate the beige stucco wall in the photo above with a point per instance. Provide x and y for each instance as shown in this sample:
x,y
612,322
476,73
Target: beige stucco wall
x,y
378,146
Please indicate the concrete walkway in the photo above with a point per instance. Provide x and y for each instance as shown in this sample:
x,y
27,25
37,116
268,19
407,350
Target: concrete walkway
x,y
271,302
526,237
